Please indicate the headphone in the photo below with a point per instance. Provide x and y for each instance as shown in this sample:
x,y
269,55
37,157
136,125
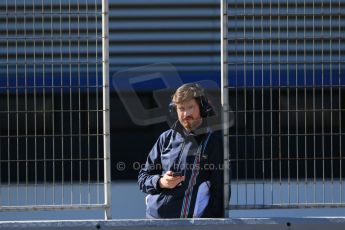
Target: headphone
x,y
206,110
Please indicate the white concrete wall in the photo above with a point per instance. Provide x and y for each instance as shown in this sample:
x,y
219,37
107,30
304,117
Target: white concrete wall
x,y
215,224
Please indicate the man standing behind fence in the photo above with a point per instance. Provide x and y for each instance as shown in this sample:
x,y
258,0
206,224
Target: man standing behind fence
x,y
183,174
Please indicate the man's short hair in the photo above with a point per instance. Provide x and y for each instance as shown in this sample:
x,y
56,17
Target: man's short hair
x,y
187,92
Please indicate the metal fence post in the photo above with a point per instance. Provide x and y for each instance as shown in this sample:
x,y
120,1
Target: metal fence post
x,y
225,100
106,117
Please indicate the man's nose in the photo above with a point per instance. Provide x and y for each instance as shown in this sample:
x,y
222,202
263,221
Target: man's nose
x,y
187,112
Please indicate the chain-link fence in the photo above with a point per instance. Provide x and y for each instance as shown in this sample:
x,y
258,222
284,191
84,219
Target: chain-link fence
x,y
53,147
284,80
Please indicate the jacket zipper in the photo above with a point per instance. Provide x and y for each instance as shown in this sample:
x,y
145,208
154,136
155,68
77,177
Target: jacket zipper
x,y
180,156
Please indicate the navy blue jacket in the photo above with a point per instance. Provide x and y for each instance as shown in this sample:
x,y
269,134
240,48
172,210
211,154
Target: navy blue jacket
x,y
199,157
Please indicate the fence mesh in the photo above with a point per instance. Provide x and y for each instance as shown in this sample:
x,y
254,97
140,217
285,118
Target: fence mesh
x,y
51,135
285,63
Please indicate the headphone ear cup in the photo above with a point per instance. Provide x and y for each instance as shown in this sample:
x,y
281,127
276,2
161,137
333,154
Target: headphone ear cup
x,y
172,110
206,109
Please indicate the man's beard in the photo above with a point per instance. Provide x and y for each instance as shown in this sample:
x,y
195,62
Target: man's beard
x,y
191,124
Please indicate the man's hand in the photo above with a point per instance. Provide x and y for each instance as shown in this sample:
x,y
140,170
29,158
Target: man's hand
x,y
170,181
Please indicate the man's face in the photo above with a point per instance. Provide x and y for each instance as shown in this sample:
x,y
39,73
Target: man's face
x,y
189,114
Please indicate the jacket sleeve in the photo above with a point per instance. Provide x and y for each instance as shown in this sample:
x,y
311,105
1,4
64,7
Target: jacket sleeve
x,y
150,174
215,206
